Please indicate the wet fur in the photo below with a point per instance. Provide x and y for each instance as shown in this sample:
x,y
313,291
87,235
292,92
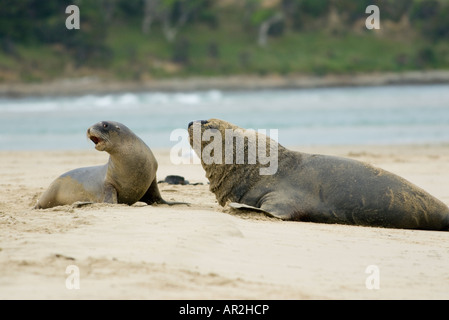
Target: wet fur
x,y
324,189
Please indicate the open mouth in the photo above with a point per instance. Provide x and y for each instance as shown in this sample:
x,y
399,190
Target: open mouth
x,y
95,140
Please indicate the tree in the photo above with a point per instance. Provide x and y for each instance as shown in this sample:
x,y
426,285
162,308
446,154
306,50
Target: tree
x,y
431,18
265,26
263,18
150,13
172,14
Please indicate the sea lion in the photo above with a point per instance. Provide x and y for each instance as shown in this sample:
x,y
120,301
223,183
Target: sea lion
x,y
312,187
129,175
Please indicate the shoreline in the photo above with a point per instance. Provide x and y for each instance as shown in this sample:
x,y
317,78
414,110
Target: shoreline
x,y
94,85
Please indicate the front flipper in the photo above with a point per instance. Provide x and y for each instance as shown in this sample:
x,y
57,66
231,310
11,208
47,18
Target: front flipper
x,y
154,196
110,194
287,210
284,211
270,213
237,206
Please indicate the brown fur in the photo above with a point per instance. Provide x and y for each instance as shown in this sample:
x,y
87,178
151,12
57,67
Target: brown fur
x,y
128,176
229,182
320,188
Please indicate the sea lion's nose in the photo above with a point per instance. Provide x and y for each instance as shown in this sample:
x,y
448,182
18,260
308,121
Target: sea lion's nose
x,y
202,122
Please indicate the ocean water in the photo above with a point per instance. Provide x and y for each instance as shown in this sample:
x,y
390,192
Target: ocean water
x,y
303,117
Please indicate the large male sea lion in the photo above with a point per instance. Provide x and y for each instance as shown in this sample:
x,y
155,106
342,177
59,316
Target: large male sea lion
x,y
311,187
129,175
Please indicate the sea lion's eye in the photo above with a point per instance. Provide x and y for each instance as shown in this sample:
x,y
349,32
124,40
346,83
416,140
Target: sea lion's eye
x,y
105,125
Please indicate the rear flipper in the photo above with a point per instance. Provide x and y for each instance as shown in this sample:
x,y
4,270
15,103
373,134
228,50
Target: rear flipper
x,y
80,204
153,196
170,203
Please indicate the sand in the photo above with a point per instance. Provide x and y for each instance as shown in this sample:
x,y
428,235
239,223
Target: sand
x,y
203,251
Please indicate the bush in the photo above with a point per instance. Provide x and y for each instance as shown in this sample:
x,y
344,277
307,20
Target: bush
x,y
353,10
431,18
395,9
424,10
314,8
426,57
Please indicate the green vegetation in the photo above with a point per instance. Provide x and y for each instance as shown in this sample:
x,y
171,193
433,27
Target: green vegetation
x,y
143,39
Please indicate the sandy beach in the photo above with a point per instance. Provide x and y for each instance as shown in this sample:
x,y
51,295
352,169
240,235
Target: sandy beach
x,y
204,251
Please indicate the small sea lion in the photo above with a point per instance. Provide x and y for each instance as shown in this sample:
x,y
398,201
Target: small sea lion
x,y
129,175
312,187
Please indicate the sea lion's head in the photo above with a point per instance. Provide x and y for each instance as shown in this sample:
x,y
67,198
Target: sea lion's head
x,y
232,156
106,134
204,133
